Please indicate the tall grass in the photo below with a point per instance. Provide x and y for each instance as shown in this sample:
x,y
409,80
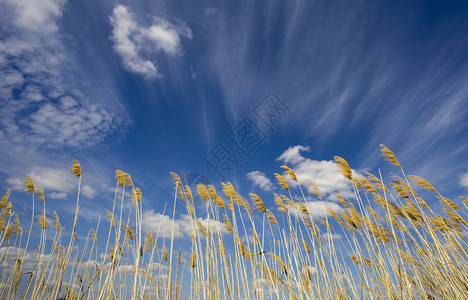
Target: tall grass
x,y
386,243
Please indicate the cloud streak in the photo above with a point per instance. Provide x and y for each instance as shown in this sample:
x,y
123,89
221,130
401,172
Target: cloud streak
x,y
362,76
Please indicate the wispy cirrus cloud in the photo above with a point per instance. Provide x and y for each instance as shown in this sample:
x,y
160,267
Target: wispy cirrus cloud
x,y
136,44
365,80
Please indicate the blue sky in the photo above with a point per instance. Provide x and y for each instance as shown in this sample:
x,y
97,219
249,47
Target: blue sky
x,y
150,87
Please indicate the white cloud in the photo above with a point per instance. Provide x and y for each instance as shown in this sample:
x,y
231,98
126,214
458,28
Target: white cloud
x,y
133,42
464,180
325,174
57,183
15,183
293,154
332,236
259,179
54,179
308,270
29,259
37,15
157,222
88,191
317,209
57,195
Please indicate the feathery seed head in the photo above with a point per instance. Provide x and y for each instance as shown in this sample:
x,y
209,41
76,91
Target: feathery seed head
x,y
228,224
282,181
43,221
9,209
164,253
306,246
344,167
447,202
193,260
258,202
314,189
464,199
280,262
128,180
76,168
212,191
202,228
58,226
5,198
120,176
188,192
191,209
228,190
280,204
151,238
203,191
341,200
219,201
128,231
176,179
455,217
355,259
16,225
8,232
389,156
399,190
94,235
303,208
290,172
28,184
271,217
333,214
110,216
40,192
421,182
289,201
138,194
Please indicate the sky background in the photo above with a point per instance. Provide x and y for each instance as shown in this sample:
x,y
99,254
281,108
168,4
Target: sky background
x,y
150,87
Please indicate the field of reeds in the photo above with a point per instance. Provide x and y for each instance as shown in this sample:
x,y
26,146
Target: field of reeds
x,y
385,243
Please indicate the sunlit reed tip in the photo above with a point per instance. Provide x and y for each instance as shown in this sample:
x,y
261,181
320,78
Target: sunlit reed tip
x,y
290,172
282,181
389,156
258,202
344,167
5,198
421,182
28,184
76,168
43,221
